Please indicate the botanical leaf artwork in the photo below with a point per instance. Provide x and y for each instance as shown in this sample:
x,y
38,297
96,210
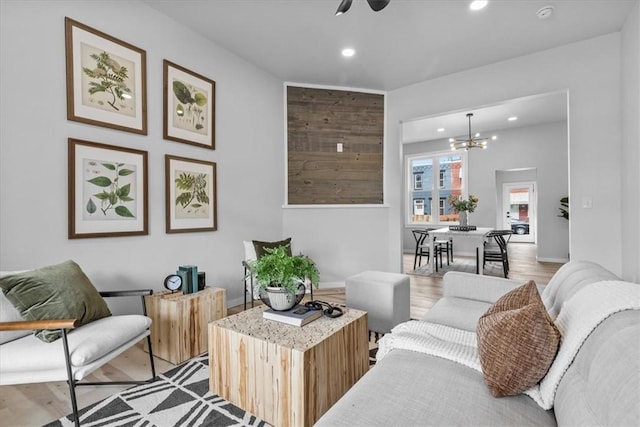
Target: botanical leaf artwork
x,y
192,195
106,82
190,107
109,190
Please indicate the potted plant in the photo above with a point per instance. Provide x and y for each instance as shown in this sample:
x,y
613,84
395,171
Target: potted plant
x,y
564,207
463,206
280,275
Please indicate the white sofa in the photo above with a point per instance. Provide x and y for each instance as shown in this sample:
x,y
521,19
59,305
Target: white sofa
x,y
601,385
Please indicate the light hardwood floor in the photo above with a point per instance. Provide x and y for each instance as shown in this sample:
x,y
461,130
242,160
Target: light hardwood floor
x,y
37,404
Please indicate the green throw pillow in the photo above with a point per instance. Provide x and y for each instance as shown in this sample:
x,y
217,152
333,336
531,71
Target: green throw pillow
x,y
260,246
59,291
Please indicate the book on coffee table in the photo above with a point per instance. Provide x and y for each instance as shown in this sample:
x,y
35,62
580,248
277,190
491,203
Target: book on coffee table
x,y
297,316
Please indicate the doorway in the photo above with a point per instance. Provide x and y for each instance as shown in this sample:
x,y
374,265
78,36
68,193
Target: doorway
x,y
519,210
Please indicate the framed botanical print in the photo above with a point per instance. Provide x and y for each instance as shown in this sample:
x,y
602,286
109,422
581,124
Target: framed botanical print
x,y
106,80
189,107
191,201
107,190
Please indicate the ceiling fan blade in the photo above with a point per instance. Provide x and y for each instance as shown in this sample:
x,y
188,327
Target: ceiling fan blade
x,y
344,6
378,5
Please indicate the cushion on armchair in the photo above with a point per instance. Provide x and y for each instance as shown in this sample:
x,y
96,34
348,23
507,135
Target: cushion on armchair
x,y
59,291
261,246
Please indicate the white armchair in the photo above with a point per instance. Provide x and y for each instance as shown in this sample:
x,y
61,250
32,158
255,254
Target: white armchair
x,y
82,349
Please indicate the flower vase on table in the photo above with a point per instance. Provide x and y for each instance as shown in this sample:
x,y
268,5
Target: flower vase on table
x,y
463,218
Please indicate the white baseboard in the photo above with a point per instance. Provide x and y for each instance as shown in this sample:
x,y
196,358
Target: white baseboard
x,y
559,260
329,285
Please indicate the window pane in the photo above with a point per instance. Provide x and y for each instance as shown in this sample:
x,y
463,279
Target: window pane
x,y
519,207
451,184
420,195
432,178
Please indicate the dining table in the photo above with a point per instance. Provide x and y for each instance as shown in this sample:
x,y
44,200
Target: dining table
x,y
477,237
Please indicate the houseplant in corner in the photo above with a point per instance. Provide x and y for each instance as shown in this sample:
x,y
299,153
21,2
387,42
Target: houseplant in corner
x,y
463,206
282,276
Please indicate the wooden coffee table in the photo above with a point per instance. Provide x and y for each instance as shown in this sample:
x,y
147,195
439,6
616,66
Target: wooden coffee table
x,y
286,375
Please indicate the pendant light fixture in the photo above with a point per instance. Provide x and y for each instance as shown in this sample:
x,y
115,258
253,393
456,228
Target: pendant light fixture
x,y
471,141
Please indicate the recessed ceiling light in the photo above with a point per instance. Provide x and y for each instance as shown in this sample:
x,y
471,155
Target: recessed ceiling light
x,y
440,129
348,52
478,4
512,118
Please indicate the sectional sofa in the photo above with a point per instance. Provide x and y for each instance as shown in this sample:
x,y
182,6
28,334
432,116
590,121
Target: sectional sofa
x,y
594,378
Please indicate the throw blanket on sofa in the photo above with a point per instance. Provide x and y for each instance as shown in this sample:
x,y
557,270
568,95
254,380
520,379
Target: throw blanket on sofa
x,y
578,317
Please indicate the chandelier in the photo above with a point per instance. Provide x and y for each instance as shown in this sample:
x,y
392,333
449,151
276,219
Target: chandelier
x,y
471,141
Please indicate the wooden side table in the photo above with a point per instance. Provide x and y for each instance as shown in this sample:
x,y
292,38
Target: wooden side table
x,y
286,375
179,328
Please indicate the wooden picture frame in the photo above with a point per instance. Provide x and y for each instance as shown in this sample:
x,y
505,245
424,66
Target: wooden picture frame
x,y
191,195
189,106
108,194
106,79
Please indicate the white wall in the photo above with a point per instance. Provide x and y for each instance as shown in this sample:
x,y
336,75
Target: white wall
x,y
33,148
541,148
631,145
590,71
343,241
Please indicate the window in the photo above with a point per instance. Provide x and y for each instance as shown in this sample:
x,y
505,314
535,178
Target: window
x,y
432,179
417,181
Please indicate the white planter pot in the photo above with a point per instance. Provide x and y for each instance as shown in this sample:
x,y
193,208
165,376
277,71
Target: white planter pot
x,y
280,299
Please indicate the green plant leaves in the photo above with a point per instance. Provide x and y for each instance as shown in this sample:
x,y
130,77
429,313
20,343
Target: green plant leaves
x,y
277,268
182,92
123,211
183,199
91,207
202,197
110,76
193,187
200,99
124,190
185,181
100,181
114,194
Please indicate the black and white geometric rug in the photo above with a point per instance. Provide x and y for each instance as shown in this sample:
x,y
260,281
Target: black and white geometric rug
x,y
179,397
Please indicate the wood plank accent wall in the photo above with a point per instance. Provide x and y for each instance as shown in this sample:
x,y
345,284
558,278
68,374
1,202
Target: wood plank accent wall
x,y
319,119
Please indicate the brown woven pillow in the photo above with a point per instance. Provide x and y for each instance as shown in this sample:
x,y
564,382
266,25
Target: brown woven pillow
x,y
517,341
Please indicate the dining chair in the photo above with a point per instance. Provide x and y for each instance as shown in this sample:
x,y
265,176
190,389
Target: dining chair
x,y
446,246
496,249
422,248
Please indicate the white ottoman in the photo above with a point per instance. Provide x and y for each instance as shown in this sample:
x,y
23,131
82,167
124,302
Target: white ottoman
x,y
384,296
